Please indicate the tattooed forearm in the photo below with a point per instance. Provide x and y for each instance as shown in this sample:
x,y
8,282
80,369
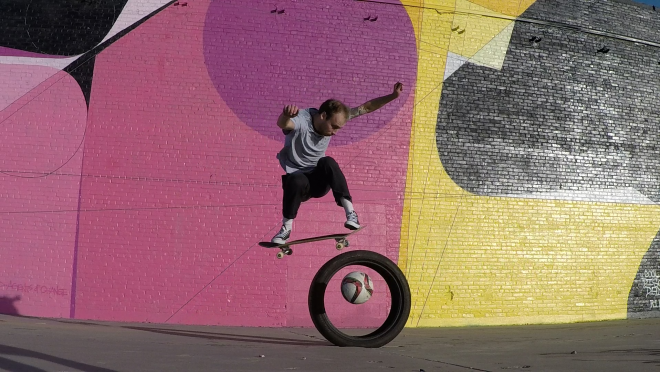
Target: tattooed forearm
x,y
357,111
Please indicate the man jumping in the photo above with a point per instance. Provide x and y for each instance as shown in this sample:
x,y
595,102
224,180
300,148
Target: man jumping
x,y
309,173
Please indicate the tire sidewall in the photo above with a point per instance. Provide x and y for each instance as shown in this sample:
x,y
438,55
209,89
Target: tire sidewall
x,y
399,289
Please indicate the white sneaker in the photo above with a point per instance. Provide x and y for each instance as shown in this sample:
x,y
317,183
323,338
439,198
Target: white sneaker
x,y
352,221
282,236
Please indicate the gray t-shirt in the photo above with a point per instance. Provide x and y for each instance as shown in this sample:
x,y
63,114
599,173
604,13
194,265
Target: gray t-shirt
x,y
303,147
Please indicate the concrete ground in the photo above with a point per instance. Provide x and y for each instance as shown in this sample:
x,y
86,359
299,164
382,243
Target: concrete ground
x,y
35,344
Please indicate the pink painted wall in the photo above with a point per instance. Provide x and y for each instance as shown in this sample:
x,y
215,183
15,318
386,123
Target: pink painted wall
x,y
170,178
42,128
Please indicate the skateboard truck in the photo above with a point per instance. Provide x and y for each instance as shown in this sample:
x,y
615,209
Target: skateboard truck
x,y
341,243
285,251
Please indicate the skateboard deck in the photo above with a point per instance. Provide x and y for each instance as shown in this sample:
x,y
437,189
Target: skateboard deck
x,y
285,249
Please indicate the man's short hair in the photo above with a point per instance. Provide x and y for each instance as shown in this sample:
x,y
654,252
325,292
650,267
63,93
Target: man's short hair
x,y
332,107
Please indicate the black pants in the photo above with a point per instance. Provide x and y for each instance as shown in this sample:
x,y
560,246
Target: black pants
x,y
300,187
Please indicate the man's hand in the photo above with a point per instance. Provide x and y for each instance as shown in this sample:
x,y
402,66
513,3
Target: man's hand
x,y
284,121
290,111
398,88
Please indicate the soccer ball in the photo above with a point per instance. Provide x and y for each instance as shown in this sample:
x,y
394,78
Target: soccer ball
x,y
357,287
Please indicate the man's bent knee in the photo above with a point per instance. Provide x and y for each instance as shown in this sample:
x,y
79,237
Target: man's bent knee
x,y
297,181
327,162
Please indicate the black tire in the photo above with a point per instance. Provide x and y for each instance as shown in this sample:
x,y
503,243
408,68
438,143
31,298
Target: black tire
x,y
396,282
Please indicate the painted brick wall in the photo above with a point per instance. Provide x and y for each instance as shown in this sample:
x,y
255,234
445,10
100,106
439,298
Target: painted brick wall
x,y
562,120
513,180
534,201
176,179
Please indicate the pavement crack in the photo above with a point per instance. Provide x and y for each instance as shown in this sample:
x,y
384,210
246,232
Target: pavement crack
x,y
447,363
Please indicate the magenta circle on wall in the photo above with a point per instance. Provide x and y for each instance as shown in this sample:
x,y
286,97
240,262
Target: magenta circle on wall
x,y
266,55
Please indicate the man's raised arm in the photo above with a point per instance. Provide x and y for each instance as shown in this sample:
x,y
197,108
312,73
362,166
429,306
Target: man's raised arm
x,y
284,121
376,103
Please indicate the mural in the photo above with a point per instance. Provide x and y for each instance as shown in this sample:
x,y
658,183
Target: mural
x,y
46,68
513,181
566,118
173,177
535,201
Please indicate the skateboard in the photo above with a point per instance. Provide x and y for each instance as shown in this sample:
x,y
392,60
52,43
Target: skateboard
x,y
285,249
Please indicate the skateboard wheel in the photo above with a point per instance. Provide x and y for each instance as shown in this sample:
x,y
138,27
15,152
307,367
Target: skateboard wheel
x,y
340,246
280,254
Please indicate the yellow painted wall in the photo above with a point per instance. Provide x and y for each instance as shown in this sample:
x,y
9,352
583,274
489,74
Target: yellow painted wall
x,y
489,260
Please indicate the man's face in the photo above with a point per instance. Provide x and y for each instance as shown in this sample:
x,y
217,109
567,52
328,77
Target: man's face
x,y
330,127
